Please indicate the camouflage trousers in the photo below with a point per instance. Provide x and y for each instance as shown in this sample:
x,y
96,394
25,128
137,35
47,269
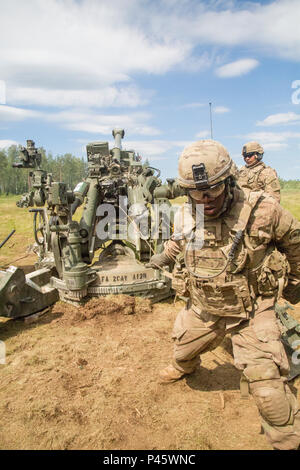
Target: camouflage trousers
x,y
259,353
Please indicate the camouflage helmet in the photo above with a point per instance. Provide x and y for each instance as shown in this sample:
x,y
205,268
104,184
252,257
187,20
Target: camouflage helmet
x,y
253,147
204,164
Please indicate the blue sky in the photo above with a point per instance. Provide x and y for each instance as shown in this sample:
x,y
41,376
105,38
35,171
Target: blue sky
x,y
72,70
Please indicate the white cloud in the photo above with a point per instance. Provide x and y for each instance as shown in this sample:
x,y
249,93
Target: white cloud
x,y
270,28
76,45
203,134
272,141
280,118
194,64
128,96
275,146
270,137
154,148
221,110
87,53
85,120
10,113
70,44
265,137
237,68
7,143
94,123
2,92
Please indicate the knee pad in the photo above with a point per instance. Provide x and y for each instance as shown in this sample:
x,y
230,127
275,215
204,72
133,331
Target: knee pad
x,y
269,393
272,403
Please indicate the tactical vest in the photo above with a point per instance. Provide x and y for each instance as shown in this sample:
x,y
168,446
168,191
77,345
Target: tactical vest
x,y
229,287
250,177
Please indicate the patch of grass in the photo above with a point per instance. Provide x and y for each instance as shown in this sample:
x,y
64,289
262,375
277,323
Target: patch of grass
x,y
20,219
13,217
290,200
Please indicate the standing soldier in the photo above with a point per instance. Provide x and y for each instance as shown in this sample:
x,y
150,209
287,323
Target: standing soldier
x,y
233,279
255,175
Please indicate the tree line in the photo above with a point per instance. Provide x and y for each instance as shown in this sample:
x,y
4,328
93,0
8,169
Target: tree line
x,y
66,168
289,185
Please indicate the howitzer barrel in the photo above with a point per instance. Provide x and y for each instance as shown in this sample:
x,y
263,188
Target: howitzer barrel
x,y
7,238
118,134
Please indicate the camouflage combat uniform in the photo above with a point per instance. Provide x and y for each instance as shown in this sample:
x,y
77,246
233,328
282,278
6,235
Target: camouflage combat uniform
x,y
260,177
240,301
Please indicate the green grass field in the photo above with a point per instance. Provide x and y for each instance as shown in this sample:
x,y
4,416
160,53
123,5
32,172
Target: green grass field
x,y
20,219
290,200
13,217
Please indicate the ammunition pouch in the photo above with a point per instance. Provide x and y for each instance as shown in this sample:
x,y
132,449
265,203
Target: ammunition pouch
x,y
273,274
223,299
180,284
180,278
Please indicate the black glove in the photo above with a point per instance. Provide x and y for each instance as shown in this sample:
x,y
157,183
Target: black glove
x,y
158,261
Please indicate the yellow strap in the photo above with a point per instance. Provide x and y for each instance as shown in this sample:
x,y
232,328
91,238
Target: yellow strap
x,y
244,387
280,287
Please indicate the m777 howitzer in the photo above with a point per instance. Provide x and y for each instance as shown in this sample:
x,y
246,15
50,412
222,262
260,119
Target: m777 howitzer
x,y
122,199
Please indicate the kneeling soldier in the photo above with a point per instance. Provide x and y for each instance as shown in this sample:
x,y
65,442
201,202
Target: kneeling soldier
x,y
248,257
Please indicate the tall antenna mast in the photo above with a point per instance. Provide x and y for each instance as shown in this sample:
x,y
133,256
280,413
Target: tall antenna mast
x,y
211,129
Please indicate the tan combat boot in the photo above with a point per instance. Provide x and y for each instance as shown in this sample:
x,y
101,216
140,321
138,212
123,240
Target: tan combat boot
x,y
170,375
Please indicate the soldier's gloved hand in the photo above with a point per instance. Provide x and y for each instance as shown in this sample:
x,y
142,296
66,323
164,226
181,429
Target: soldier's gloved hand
x,y
292,293
158,261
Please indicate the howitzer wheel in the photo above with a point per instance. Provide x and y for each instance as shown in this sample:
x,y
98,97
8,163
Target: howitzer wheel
x,y
40,227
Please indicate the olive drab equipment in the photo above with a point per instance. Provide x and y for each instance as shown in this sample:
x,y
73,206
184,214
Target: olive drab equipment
x,y
66,247
290,337
21,294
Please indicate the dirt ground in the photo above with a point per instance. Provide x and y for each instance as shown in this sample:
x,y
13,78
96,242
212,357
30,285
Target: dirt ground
x,y
87,379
